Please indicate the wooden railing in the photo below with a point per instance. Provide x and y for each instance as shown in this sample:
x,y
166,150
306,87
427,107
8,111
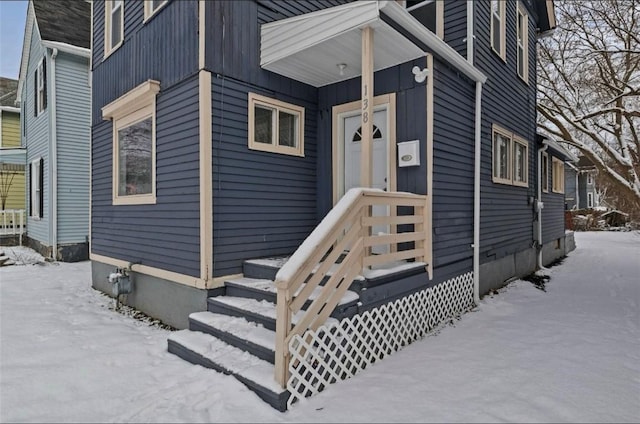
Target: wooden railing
x,y
342,246
12,222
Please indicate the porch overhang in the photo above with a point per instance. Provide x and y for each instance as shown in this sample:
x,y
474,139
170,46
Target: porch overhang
x,y
312,48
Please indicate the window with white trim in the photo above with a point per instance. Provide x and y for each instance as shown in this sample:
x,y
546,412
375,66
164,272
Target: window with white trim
x,y
557,175
41,87
134,144
589,178
522,42
545,172
502,148
114,25
589,200
36,192
152,6
520,162
498,28
510,160
275,126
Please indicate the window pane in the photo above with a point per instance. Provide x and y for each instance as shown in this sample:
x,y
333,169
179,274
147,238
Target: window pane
x,y
520,162
134,159
263,126
287,128
496,32
116,24
501,156
520,61
425,14
156,4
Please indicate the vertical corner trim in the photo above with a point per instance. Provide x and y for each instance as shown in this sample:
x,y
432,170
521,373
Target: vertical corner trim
x,y
206,176
429,198
201,33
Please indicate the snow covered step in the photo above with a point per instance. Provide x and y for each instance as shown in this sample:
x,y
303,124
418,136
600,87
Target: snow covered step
x,y
258,311
265,268
236,331
5,260
261,289
208,351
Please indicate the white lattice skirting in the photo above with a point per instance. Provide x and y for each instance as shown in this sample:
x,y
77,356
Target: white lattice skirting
x,y
331,354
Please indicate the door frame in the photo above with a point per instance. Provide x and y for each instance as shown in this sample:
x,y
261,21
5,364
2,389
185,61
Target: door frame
x,y
337,142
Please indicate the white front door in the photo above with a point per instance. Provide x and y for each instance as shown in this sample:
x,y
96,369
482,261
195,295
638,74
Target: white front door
x,y
351,138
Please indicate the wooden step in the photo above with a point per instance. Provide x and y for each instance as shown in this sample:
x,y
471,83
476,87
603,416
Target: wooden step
x,y
206,350
237,331
265,268
257,311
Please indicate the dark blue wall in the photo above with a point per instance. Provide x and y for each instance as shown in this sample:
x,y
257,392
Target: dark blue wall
x,y
165,235
506,214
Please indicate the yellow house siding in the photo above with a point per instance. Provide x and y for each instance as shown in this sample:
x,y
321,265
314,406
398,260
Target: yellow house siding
x,y
10,129
16,198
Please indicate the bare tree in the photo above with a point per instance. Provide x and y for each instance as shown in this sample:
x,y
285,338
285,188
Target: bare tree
x,y
589,87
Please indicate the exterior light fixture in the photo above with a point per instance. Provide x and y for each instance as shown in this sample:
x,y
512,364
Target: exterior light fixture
x,y
342,67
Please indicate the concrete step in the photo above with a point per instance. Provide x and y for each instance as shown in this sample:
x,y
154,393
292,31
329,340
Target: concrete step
x,y
207,350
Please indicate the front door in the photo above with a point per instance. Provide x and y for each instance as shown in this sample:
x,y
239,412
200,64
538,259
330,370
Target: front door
x,y
351,139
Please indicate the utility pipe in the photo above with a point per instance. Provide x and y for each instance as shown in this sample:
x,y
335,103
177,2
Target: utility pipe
x,y
539,204
53,172
476,194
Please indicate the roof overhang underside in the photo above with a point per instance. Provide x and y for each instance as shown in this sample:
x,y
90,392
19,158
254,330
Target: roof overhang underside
x,y
312,48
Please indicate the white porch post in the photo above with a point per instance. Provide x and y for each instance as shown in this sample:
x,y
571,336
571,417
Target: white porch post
x,y
366,172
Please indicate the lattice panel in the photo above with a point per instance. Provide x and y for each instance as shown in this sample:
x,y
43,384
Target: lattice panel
x,y
330,354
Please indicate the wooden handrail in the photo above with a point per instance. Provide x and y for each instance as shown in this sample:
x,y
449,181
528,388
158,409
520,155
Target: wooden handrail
x,y
340,248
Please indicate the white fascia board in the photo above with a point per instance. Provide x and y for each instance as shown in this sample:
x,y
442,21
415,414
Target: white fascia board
x,y
67,48
286,37
400,16
9,109
26,50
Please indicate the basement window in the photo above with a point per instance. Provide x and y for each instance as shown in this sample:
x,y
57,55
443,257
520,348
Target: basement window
x,y
275,126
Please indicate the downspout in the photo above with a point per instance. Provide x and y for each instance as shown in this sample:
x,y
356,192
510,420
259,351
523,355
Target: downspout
x,y
54,161
540,205
476,194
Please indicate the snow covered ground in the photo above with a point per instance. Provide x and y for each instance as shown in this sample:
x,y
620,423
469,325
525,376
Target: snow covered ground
x,y
567,354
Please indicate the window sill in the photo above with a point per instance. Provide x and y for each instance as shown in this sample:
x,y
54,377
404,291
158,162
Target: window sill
x,y
142,199
150,16
110,52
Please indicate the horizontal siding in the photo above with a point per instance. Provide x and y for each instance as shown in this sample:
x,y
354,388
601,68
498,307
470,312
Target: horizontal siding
x,y
455,25
16,195
159,49
10,129
552,227
453,172
73,110
570,188
507,218
264,203
165,235
37,139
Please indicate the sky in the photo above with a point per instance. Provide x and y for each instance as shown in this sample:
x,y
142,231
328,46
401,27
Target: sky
x,y
12,20
570,353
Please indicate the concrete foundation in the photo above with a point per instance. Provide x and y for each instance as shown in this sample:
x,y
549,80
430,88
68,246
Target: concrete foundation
x,y
74,252
165,300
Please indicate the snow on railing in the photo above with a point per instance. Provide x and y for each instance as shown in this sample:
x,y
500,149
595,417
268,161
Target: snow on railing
x,y
341,247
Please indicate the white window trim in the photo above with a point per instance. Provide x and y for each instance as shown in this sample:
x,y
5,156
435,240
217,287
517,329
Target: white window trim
x,y
521,11
257,100
134,106
557,175
590,200
589,178
149,12
107,28
41,87
503,132
502,16
522,142
35,182
545,172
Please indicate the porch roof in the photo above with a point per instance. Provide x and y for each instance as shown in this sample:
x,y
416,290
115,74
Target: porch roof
x,y
310,48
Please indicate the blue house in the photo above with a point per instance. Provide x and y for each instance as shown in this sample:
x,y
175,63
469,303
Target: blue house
x,y
262,170
54,100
